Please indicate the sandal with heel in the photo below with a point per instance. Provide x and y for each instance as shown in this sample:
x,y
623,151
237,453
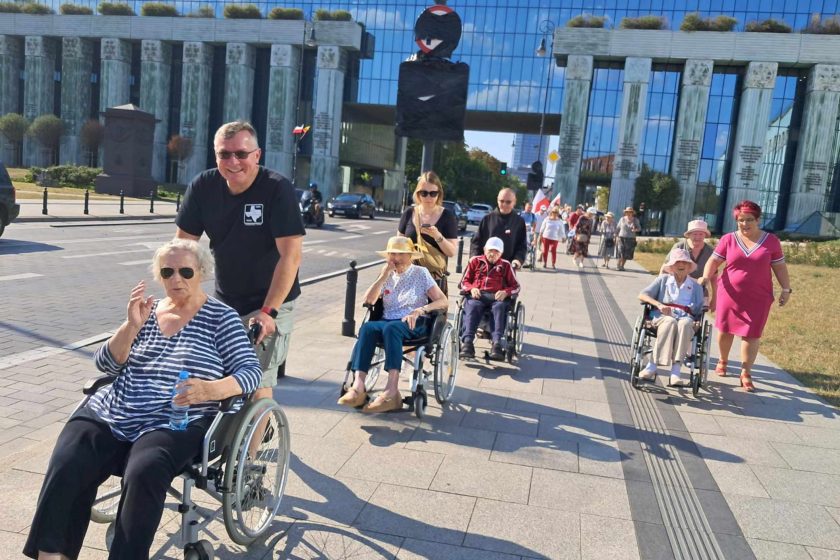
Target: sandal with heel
x,y
746,382
720,369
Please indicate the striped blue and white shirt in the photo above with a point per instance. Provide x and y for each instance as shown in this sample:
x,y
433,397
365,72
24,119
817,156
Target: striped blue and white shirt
x,y
211,345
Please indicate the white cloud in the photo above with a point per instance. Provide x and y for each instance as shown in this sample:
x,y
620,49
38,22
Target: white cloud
x,y
521,96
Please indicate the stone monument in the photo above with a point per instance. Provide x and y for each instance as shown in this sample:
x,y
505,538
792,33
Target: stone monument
x,y
129,139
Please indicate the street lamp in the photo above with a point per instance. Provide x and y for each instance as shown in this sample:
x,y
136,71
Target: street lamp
x,y
308,40
547,29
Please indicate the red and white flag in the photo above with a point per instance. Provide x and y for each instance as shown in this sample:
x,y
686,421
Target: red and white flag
x,y
540,201
556,200
301,130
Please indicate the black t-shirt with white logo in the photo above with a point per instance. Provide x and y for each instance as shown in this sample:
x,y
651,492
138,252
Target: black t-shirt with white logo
x,y
242,230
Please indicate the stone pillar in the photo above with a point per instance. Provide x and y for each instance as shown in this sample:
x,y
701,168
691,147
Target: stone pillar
x,y
11,54
816,138
114,74
38,91
155,66
577,82
239,81
750,136
633,105
282,108
76,67
688,140
326,122
196,80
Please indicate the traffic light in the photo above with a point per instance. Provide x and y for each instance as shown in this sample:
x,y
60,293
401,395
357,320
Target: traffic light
x,y
502,168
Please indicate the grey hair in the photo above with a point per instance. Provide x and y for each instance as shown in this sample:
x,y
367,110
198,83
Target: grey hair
x,y
201,254
231,129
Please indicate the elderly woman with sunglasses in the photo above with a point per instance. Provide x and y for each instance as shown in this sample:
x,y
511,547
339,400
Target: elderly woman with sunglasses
x,y
438,226
125,427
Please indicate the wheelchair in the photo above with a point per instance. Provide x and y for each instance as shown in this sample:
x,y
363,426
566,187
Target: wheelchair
x,y
248,477
514,329
440,346
531,256
642,345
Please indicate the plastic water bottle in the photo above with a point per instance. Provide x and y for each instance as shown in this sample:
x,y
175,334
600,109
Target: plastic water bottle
x,y
178,414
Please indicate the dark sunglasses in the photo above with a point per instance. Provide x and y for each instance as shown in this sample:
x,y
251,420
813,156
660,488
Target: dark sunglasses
x,y
186,273
240,154
424,194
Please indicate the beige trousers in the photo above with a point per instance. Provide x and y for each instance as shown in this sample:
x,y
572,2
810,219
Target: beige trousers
x,y
673,339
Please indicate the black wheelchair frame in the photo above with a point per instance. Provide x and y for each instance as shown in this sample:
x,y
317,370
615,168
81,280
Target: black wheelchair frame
x,y
698,361
514,329
440,346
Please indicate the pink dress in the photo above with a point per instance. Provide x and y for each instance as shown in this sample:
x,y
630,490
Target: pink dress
x,y
745,288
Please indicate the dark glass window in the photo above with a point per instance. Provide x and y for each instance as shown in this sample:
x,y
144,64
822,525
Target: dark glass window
x,y
660,119
603,116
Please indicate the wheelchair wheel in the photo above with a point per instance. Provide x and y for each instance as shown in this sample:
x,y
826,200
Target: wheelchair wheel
x,y
446,365
458,323
104,509
702,359
202,550
519,332
419,402
635,356
255,471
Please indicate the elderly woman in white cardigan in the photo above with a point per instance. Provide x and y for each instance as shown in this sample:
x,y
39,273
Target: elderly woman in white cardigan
x,y
677,301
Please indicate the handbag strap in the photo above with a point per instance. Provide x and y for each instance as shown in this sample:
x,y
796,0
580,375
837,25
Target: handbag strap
x,y
421,243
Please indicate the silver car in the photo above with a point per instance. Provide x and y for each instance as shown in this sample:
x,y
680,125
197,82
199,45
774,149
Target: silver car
x,y
477,212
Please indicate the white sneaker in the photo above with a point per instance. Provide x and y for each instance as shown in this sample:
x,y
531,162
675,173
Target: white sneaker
x,y
649,373
677,381
580,265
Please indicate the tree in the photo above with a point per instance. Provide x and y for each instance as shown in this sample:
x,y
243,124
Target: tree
x,y
47,131
13,127
180,149
91,136
659,191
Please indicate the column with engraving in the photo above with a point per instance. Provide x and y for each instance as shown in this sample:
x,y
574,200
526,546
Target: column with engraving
x,y
196,79
577,83
38,91
282,107
11,62
239,81
155,69
326,121
76,67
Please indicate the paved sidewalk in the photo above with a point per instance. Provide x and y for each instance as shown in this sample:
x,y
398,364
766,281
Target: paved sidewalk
x,y
59,210
555,457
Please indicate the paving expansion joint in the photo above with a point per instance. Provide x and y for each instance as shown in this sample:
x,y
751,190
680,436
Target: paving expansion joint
x,y
686,524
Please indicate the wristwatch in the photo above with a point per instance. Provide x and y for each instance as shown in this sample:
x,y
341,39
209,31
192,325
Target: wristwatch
x,y
270,311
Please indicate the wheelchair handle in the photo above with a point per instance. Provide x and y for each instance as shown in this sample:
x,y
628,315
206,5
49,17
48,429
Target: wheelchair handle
x,y
254,332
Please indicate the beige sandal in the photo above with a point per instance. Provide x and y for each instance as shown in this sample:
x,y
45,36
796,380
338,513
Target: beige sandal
x,y
352,398
384,404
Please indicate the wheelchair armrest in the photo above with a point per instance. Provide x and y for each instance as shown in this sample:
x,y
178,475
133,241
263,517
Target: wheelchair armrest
x,y
227,404
93,384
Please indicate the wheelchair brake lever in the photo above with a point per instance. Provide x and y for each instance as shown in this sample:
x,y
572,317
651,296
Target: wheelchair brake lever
x,y
254,332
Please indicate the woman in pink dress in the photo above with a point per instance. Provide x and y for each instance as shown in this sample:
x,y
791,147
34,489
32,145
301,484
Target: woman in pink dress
x,y
744,291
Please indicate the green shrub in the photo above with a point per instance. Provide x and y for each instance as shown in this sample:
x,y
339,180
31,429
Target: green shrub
x,y
203,12
321,15
815,253
285,13
693,22
36,9
819,26
63,175
586,20
767,26
115,9
158,9
74,10
242,11
341,15
644,22
723,23
9,8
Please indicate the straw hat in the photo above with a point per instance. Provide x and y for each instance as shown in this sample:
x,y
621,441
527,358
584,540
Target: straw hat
x,y
398,244
495,243
697,225
610,215
679,255
629,209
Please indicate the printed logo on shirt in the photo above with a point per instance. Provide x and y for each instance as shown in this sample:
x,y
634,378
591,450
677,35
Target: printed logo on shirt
x,y
253,215
507,232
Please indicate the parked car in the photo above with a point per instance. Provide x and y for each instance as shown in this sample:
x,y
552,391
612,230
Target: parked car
x,y
477,212
352,205
460,213
9,209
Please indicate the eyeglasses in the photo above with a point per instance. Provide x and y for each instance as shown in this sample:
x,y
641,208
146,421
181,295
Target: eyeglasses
x,y
239,154
186,273
746,220
505,201
425,194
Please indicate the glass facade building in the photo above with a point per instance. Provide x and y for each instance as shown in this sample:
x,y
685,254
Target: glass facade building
x,y
507,80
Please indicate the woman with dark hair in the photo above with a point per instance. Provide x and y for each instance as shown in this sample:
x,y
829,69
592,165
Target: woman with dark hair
x,y
744,291
583,232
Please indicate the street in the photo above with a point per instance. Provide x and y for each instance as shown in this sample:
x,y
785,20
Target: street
x,y
61,283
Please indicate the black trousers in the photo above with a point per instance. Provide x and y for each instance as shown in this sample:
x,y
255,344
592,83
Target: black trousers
x,y
85,455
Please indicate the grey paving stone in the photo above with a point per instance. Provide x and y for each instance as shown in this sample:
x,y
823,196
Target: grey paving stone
x,y
758,429
580,493
817,437
457,441
502,421
835,513
419,514
533,452
607,537
518,381
800,486
524,530
600,458
11,543
470,398
385,430
312,422
313,541
17,490
541,404
823,554
483,479
321,455
805,458
769,550
736,478
578,390
393,465
789,522
413,549
313,496
738,450
701,423
579,429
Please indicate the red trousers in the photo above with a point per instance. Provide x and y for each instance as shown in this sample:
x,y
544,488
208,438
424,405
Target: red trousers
x,y
549,245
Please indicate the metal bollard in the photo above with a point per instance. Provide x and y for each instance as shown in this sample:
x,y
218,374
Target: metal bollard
x,y
348,326
178,202
152,201
122,202
44,206
458,267
87,199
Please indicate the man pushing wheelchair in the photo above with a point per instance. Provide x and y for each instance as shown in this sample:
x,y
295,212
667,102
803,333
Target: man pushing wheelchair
x,y
489,283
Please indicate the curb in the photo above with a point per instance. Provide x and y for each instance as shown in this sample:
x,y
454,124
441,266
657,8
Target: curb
x,y
48,218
